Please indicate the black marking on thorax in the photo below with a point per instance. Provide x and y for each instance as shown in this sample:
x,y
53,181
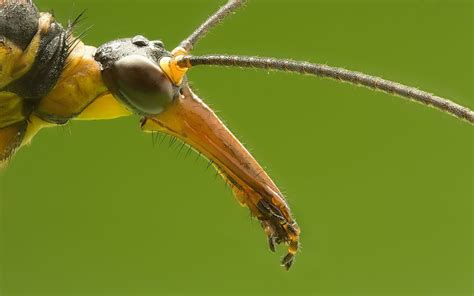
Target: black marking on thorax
x,y
50,59
18,23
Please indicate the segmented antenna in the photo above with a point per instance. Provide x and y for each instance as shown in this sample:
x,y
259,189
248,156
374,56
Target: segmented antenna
x,y
320,70
210,23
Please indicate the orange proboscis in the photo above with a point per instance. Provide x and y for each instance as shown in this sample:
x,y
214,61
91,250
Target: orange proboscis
x,y
191,120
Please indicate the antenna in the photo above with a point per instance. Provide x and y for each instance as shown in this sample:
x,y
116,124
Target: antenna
x,y
341,74
210,23
177,66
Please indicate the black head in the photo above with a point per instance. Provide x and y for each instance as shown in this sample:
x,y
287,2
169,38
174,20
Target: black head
x,y
131,70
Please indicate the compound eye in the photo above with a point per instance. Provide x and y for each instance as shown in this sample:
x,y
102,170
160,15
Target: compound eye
x,y
140,84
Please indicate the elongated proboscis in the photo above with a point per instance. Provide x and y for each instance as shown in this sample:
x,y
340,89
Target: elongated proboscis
x,y
210,23
321,70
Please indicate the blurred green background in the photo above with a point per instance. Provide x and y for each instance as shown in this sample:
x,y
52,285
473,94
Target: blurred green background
x,y
382,188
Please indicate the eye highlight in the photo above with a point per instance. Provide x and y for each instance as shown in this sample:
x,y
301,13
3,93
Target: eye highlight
x,y
140,84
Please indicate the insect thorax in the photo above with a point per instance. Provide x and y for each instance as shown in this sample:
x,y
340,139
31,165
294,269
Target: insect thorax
x,y
33,52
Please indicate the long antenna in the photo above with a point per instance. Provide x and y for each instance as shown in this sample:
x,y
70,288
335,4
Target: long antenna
x,y
320,70
211,22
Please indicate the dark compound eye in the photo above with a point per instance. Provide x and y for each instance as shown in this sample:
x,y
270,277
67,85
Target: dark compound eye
x,y
140,84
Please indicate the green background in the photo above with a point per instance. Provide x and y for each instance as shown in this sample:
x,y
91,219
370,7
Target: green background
x,y
382,188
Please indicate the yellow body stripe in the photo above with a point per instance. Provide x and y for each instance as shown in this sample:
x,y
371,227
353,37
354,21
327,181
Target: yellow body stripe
x,y
79,84
104,107
15,62
35,124
11,109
